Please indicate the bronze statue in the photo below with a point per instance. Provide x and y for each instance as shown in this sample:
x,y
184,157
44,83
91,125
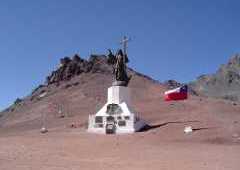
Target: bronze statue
x,y
120,72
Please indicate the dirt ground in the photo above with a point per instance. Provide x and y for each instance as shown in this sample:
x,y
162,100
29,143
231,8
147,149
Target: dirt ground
x,y
74,149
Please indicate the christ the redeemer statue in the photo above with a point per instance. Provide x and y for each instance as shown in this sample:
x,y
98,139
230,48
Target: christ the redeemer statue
x,y
120,68
120,71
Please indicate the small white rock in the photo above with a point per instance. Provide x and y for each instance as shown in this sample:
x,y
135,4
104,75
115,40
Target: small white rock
x,y
44,130
188,129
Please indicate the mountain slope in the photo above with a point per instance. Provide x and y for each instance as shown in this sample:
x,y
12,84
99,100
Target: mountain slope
x,y
225,83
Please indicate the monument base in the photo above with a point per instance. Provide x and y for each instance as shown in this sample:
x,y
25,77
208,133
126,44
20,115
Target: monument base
x,y
116,116
119,83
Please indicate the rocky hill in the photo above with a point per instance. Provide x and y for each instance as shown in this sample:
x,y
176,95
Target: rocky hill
x,y
77,87
225,83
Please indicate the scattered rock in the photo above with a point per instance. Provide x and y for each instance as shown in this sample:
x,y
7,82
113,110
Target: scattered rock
x,y
188,129
67,86
73,125
76,84
44,130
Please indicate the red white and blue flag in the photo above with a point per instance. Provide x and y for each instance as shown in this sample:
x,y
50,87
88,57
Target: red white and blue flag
x,y
180,93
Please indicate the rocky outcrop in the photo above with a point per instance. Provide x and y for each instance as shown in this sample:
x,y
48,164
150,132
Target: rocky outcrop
x,y
225,83
70,67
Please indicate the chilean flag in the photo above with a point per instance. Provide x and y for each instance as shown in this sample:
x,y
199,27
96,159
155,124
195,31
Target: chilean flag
x,y
180,93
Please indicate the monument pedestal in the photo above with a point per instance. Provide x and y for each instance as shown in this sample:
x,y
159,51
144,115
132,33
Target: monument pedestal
x,y
117,115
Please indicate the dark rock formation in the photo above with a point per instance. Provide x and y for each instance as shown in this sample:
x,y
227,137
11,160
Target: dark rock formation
x,y
72,67
225,83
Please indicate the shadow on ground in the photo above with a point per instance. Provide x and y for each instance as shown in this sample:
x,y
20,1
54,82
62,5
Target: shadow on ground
x,y
151,127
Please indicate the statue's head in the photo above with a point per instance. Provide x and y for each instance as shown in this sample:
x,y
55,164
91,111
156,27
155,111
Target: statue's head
x,y
119,52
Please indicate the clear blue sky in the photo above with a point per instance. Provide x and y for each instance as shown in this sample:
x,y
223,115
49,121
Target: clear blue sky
x,y
171,39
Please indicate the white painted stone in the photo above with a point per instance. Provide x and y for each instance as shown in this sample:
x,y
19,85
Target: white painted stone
x,y
188,129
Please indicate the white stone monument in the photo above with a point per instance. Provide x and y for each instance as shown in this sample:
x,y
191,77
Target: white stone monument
x,y
117,115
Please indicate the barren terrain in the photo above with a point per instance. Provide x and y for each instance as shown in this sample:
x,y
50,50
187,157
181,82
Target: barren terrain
x,y
213,145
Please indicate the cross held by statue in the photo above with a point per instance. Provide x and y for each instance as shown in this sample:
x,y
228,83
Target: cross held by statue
x,y
124,42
